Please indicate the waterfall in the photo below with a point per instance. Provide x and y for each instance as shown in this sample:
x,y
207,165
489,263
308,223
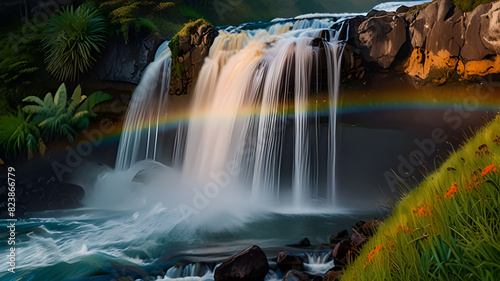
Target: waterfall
x,y
140,136
262,114
253,98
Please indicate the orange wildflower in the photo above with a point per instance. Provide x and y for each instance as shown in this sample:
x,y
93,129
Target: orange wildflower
x,y
404,229
451,191
422,211
488,169
437,196
372,253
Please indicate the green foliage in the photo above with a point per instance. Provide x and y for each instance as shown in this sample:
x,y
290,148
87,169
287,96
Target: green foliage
x,y
127,14
19,134
73,39
188,29
447,228
469,5
58,116
22,69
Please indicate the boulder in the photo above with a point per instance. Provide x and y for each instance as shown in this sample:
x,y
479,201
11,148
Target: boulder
x,y
304,242
473,48
333,274
336,238
381,38
368,228
287,261
357,238
490,28
249,265
342,251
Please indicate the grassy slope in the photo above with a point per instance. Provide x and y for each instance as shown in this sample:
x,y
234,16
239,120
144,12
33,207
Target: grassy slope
x,y
448,237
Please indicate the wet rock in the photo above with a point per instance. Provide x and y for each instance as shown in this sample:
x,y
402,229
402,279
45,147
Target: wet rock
x,y
356,238
368,228
287,261
304,242
193,48
381,38
336,238
342,251
333,274
250,264
294,275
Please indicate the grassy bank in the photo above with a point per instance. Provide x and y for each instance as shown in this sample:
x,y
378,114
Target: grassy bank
x,y
447,228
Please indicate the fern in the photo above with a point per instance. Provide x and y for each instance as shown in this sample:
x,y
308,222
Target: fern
x,y
58,116
19,134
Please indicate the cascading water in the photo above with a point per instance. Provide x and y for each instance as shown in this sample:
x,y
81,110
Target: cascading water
x,y
256,88
257,113
140,137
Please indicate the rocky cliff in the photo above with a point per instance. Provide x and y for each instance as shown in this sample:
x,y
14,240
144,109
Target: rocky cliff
x,y
433,42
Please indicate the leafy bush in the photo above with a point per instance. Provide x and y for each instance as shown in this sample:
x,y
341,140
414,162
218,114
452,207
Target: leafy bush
x,y
72,41
125,14
57,116
19,133
469,5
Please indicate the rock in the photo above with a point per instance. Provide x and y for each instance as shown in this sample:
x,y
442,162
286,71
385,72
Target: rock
x,y
381,39
402,9
474,48
333,274
336,238
193,48
304,242
250,264
490,28
123,62
294,275
342,251
287,261
369,227
356,238
447,31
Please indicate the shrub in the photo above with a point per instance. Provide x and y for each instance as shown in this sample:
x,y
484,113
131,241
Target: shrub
x,y
125,14
19,133
57,116
73,40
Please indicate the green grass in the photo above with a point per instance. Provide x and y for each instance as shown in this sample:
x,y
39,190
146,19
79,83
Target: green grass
x,y
431,235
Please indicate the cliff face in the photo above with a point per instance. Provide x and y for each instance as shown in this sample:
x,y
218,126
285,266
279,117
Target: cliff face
x,y
435,42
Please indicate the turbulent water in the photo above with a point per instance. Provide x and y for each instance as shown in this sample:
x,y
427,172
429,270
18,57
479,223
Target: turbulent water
x,y
251,109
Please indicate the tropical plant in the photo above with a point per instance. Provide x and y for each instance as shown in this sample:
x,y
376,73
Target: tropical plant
x,y
57,116
19,133
73,40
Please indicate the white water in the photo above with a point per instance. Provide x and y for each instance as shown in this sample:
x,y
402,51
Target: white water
x,y
147,107
240,111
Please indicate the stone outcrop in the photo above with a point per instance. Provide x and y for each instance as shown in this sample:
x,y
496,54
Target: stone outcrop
x,y
192,49
123,62
434,42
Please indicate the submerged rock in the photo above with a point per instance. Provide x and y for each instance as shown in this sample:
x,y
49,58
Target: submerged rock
x,y
249,265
